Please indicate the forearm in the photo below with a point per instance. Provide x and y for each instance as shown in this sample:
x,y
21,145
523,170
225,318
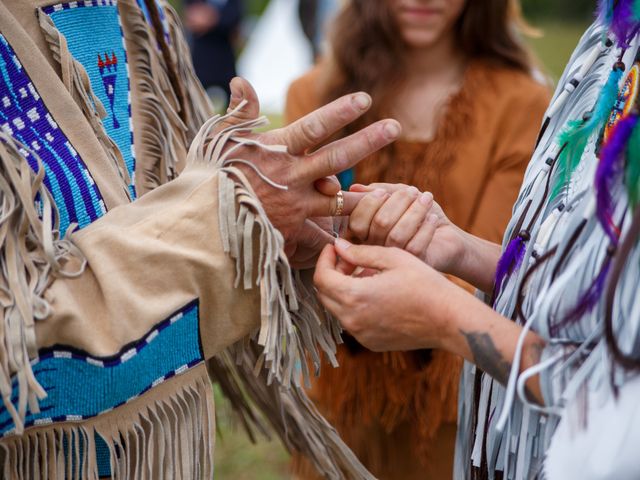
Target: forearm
x,y
489,340
477,261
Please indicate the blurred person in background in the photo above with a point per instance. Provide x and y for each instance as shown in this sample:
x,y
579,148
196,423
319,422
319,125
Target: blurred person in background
x,y
460,80
314,16
213,26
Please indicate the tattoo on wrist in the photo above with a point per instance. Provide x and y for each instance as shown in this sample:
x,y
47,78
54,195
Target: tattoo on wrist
x,y
486,356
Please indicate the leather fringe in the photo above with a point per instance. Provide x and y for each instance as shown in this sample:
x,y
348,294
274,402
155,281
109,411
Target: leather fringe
x,y
31,253
161,134
198,107
262,373
170,435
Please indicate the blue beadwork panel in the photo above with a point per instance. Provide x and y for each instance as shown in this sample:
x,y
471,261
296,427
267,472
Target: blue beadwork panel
x,y
25,117
80,386
95,39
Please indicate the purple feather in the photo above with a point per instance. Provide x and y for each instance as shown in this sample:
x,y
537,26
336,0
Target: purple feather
x,y
610,171
510,261
622,24
587,301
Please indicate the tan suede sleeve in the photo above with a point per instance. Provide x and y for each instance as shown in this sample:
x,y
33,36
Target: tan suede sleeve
x,y
146,260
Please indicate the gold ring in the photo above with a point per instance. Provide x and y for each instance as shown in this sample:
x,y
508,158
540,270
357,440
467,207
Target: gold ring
x,y
339,204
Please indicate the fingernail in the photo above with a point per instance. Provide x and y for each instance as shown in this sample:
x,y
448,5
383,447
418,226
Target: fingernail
x,y
413,191
425,198
391,130
342,244
433,218
379,193
362,101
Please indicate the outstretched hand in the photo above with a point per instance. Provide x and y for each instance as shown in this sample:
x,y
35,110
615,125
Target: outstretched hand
x,y
304,164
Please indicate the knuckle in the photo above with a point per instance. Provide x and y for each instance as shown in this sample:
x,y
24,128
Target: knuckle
x,y
312,129
381,222
358,229
395,239
335,158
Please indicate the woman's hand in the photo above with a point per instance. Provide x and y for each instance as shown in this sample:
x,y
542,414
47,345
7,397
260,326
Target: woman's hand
x,y
399,303
397,306
400,216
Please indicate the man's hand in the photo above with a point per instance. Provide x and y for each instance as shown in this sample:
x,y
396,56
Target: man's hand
x,y
304,164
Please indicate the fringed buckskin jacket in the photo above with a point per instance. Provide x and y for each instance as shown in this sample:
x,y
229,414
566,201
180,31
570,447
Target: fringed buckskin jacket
x,y
135,264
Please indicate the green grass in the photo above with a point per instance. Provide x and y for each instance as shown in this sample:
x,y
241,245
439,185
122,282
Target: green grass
x,y
556,45
236,457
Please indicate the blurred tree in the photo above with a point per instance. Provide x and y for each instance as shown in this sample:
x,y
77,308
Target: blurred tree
x,y
579,10
255,7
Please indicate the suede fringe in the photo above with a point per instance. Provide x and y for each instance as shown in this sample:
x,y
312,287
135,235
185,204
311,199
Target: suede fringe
x,y
263,371
169,436
161,134
30,254
198,107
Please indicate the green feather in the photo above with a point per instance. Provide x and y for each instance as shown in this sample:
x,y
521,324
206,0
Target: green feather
x,y
636,10
632,173
576,133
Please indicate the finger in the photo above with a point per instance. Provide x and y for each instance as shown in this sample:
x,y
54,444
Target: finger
x,y
370,257
333,306
319,205
419,244
362,215
343,154
328,186
311,130
313,237
241,90
390,213
326,276
388,187
345,267
407,227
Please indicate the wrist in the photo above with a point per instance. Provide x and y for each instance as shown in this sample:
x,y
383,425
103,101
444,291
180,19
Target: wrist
x,y
461,259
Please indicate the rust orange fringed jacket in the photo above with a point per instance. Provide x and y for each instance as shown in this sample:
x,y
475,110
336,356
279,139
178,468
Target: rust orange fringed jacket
x,y
398,410
134,264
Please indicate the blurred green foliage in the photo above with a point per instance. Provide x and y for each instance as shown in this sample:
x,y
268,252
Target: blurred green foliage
x,y
579,10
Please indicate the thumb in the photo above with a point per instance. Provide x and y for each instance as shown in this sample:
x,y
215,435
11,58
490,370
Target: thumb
x,y
241,90
366,256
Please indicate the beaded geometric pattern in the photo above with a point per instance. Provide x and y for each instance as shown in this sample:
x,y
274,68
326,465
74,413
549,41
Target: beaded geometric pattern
x,y
626,99
25,117
81,386
94,36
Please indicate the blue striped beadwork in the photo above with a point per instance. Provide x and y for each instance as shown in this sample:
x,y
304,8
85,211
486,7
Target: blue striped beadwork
x,y
94,36
25,117
81,386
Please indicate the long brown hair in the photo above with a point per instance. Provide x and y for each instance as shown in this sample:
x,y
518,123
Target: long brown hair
x,y
367,51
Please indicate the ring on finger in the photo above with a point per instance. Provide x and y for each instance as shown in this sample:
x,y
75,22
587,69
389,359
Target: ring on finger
x,y
339,204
